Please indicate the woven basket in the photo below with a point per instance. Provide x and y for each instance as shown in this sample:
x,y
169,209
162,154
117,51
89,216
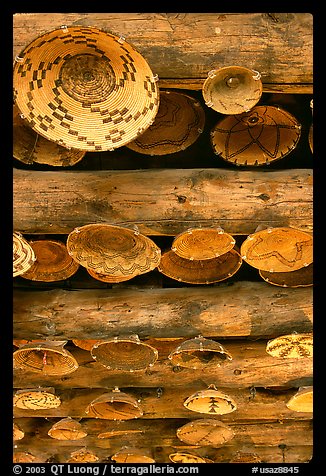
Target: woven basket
x,y
67,429
206,271
244,457
199,353
187,458
278,249
178,124
23,255
132,455
302,401
48,358
84,88
23,457
202,243
36,399
257,137
106,278
53,262
31,148
113,250
124,353
232,89
210,401
114,405
82,456
291,346
18,433
299,278
205,432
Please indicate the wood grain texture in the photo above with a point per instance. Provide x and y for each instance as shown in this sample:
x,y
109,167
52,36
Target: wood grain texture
x,y
243,309
162,202
189,45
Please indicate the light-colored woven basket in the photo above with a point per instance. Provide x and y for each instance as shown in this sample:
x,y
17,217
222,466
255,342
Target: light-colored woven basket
x,y
36,399
257,137
84,88
113,250
124,353
67,429
279,249
178,124
302,400
52,263
114,405
187,458
82,455
199,353
232,89
299,278
291,346
205,432
107,278
132,455
23,255
202,243
210,401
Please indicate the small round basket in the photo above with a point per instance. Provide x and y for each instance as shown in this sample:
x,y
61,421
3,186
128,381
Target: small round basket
x,y
178,124
199,353
232,89
291,346
52,263
205,432
202,243
210,401
124,353
187,458
49,358
299,278
113,250
67,429
206,271
278,249
302,401
114,405
258,137
31,148
82,456
36,399
23,255
132,455
84,88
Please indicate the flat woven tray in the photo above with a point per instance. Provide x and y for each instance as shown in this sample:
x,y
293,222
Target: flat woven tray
x,y
291,346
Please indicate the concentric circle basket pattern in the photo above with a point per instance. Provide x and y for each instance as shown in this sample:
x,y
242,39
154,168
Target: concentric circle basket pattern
x,y
178,124
84,88
113,250
258,137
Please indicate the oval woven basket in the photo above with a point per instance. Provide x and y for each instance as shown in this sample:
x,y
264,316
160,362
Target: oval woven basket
x,y
124,353
206,271
302,401
299,278
245,457
202,243
82,456
84,88
67,429
113,250
36,399
23,255
291,346
199,353
232,89
187,458
132,455
178,124
205,432
279,249
257,137
31,148
114,405
48,358
210,401
52,263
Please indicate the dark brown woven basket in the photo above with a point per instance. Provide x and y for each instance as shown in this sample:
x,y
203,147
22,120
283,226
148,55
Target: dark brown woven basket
x,y
258,137
232,89
84,88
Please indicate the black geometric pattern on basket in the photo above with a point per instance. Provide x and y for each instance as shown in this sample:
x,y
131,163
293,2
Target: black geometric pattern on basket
x,y
301,345
251,255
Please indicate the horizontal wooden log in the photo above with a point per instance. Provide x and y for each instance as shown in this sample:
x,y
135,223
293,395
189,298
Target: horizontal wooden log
x,y
253,404
242,309
251,366
162,202
162,433
189,45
